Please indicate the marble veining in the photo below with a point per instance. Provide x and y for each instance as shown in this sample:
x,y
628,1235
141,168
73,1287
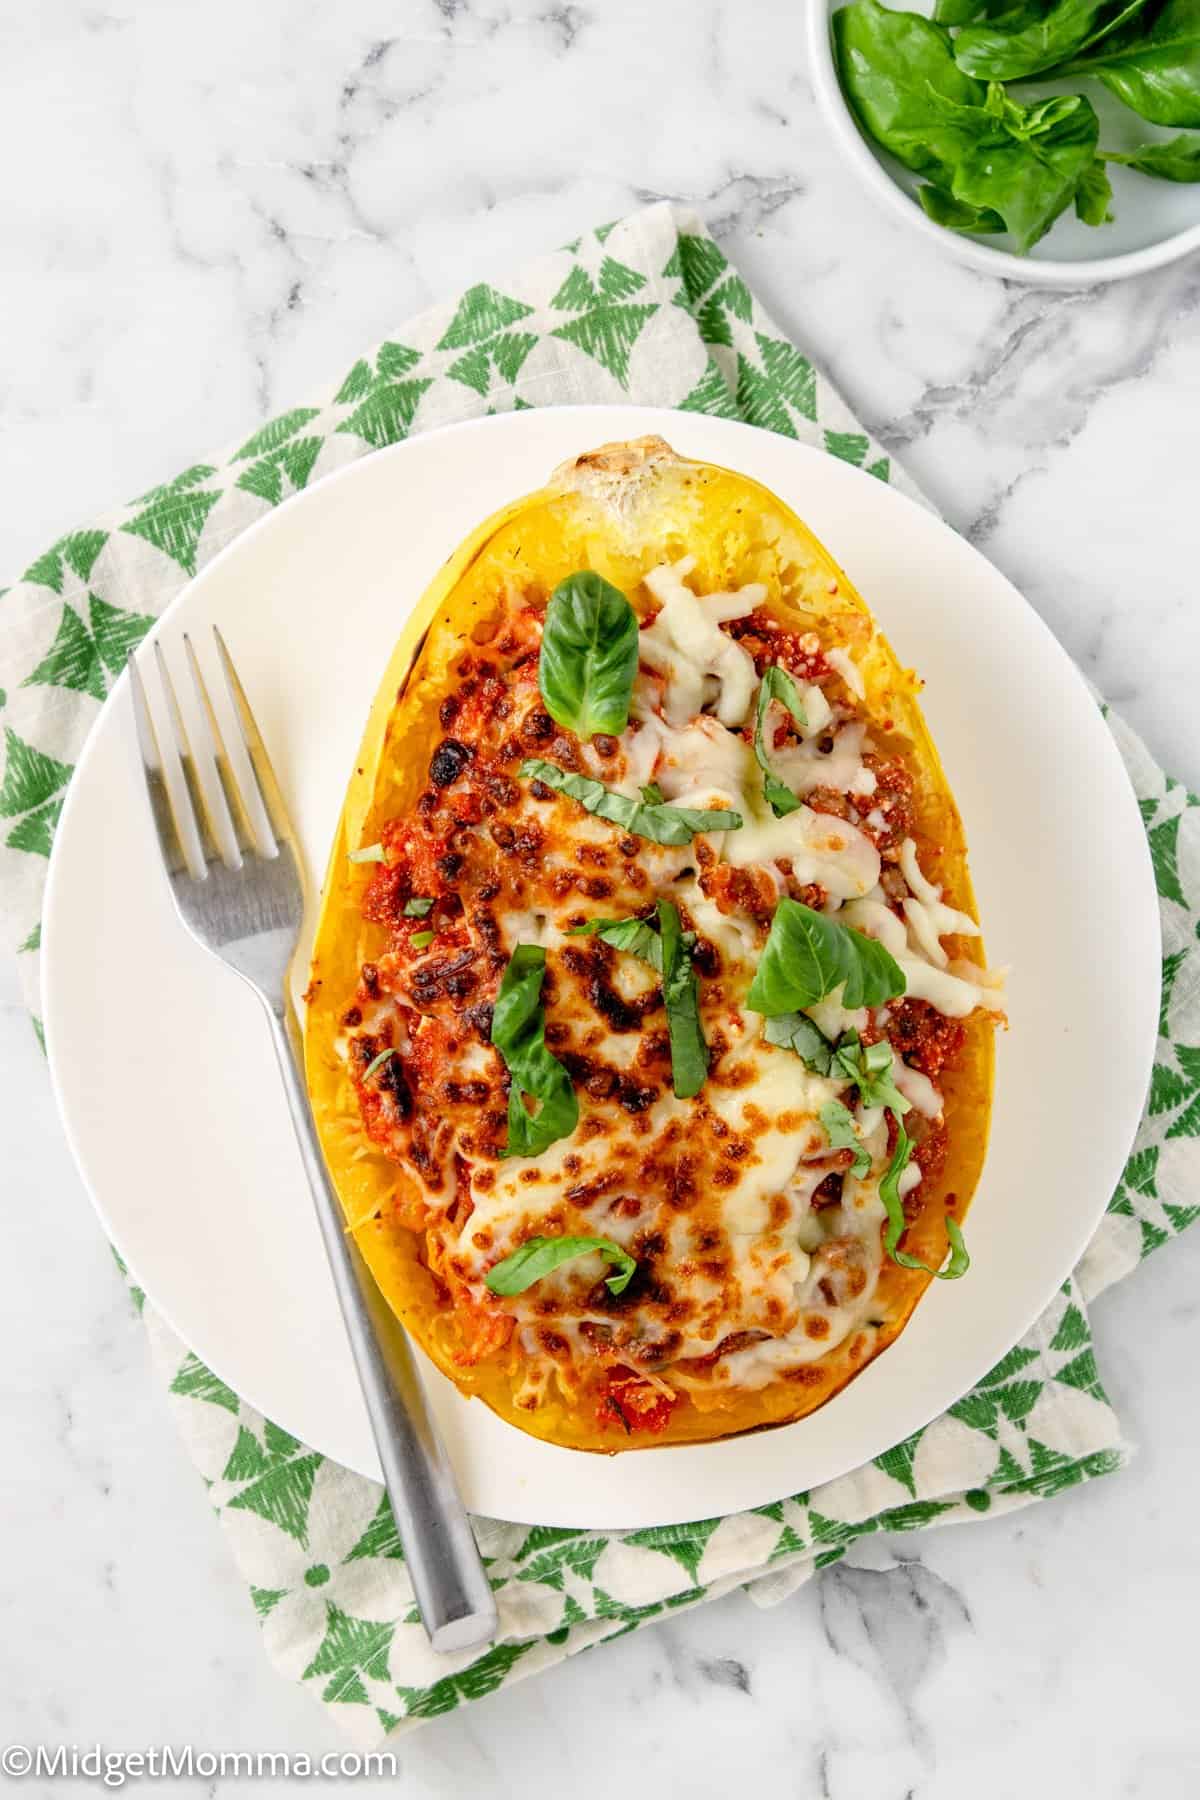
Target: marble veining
x,y
216,208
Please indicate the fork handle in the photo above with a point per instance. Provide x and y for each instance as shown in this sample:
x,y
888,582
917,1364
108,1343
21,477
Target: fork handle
x,y
449,1582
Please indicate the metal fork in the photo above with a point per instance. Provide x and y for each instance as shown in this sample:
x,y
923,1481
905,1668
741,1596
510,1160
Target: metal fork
x,y
245,905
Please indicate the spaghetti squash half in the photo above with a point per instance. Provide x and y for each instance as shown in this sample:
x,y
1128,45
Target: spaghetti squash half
x,y
649,1034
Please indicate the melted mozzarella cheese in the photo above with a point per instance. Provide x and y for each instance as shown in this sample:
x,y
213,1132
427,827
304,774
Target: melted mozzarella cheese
x,y
817,710
707,765
928,919
705,762
805,766
955,992
848,669
767,1098
917,1088
686,644
874,917
954,995
821,848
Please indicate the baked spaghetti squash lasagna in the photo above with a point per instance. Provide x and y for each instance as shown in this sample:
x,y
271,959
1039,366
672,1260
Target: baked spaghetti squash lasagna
x,y
649,1031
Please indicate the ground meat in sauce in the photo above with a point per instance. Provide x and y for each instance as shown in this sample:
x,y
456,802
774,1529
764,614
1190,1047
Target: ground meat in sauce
x,y
923,1036
892,798
829,800
751,890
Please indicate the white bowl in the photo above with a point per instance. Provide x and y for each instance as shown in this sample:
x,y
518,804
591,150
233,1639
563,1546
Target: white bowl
x,y
1155,222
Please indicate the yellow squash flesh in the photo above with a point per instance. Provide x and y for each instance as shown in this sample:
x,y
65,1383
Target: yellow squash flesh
x,y
620,511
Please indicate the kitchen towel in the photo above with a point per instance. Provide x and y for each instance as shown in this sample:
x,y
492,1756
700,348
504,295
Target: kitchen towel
x,y
647,309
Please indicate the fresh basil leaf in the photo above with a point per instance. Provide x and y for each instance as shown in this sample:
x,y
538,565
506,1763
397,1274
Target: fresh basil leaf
x,y
956,215
894,67
778,685
889,1193
1014,16
796,1031
652,794
1002,52
681,996
419,907
589,655
371,853
1093,196
375,1063
872,1070
842,1133
956,12
419,939
977,146
1154,72
637,936
537,1256
1028,167
1178,160
519,1034
660,823
807,956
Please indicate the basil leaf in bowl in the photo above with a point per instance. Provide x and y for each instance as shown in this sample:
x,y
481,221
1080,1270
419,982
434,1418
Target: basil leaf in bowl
x,y
1155,72
1178,160
990,156
1006,51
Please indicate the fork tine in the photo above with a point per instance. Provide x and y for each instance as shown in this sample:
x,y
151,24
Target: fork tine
x,y
234,810
210,843
260,762
166,825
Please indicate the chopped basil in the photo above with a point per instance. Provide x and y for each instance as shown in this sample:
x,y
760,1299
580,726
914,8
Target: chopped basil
x,y
796,1031
419,907
681,995
668,950
652,794
419,939
370,853
537,1256
871,1070
518,1033
637,936
960,1261
660,823
776,684
842,1133
375,1063
807,956
589,655
889,1193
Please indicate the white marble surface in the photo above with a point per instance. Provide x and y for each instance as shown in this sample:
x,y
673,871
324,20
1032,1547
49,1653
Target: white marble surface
x,y
211,208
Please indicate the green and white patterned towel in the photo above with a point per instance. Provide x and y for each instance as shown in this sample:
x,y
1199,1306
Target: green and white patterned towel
x,y
647,309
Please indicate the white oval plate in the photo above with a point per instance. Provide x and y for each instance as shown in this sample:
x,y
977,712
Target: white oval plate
x,y
164,1071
